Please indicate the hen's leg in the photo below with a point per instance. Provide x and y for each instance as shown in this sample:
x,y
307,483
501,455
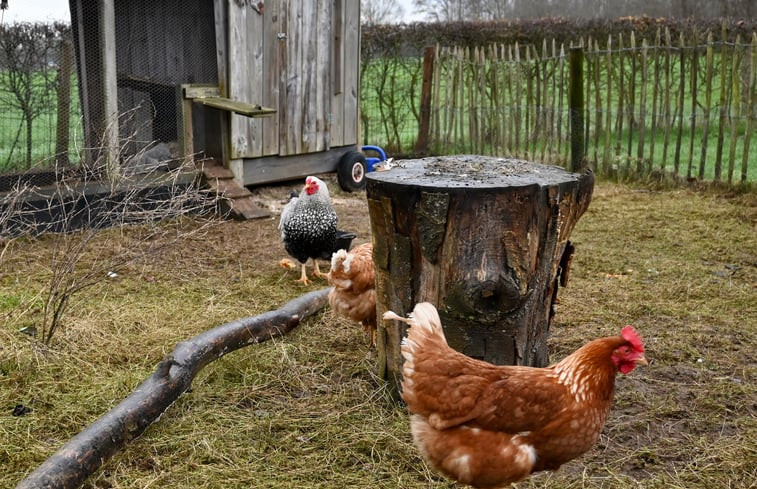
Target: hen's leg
x,y
317,270
304,276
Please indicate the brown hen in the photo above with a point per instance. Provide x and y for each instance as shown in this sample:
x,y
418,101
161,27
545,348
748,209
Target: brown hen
x,y
354,294
488,425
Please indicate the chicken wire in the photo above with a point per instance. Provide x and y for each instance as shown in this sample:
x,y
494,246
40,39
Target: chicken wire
x,y
159,45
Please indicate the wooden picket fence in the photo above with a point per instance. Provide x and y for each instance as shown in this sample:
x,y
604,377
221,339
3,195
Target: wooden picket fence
x,y
667,106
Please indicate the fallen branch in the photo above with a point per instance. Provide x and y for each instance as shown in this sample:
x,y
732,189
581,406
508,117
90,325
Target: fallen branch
x,y
84,453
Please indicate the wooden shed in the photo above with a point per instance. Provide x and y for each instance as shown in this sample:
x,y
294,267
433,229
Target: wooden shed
x,y
267,89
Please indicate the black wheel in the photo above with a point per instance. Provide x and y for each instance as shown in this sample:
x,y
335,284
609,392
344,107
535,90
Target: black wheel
x,y
351,170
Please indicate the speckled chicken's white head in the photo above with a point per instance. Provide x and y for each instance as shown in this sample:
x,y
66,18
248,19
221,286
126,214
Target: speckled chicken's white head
x,y
315,185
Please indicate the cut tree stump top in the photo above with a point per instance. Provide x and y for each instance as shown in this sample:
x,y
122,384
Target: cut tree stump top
x,y
449,173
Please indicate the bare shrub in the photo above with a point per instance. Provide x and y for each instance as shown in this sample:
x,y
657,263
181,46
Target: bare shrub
x,y
98,228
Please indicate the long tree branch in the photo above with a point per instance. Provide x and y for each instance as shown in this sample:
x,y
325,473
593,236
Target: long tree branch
x,y
84,453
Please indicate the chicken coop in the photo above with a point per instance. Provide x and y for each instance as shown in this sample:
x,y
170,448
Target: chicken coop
x,y
258,91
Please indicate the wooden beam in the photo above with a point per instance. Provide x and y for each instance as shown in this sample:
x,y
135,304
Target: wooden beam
x,y
421,144
109,87
243,108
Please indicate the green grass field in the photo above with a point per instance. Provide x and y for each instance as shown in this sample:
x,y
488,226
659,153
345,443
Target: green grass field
x,y
14,153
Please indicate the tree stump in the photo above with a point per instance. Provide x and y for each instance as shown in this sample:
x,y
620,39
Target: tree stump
x,y
484,239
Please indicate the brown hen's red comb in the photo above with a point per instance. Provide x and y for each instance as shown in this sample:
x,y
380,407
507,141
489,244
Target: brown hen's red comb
x,y
630,335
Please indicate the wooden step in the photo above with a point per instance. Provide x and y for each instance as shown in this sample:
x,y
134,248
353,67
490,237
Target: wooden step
x,y
236,200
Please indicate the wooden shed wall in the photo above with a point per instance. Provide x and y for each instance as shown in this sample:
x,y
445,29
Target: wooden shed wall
x,y
301,58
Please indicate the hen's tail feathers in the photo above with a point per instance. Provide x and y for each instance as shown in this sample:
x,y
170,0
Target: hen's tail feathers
x,y
425,336
425,316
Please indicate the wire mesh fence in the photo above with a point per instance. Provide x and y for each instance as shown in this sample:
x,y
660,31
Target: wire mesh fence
x,y
106,86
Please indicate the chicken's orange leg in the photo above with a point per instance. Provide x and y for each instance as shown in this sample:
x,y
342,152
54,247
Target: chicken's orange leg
x,y
304,276
317,271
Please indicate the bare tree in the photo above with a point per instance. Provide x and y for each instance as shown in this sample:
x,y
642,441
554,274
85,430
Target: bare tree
x,y
442,10
373,12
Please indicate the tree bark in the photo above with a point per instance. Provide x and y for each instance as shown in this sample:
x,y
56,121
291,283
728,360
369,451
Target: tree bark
x,y
83,454
484,239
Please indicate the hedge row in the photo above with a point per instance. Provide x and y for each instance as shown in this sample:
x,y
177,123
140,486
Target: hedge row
x,y
410,39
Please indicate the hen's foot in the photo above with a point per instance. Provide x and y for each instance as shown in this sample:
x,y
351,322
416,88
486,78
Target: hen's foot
x,y
303,277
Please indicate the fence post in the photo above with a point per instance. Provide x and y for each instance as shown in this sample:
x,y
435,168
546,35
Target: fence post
x,y
576,96
424,126
64,103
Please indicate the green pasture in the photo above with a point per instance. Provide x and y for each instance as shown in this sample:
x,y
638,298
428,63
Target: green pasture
x,y
14,134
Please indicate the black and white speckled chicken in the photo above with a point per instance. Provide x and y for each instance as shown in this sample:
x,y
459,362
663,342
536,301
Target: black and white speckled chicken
x,y
308,226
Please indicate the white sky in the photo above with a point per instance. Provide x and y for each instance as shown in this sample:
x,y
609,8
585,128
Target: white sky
x,y
36,10
46,10
409,9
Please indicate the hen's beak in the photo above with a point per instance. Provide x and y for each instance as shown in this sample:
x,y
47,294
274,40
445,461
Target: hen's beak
x,y
641,361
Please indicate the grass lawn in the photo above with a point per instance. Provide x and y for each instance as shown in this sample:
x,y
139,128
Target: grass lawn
x,y
307,410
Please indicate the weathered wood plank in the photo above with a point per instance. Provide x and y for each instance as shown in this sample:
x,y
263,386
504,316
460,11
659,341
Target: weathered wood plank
x,y
239,109
271,66
253,84
290,134
220,24
324,49
245,73
239,67
350,109
338,68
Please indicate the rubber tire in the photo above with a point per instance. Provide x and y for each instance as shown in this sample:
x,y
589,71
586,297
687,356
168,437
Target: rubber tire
x,y
351,171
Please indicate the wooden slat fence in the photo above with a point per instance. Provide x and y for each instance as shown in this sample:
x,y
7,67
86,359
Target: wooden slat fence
x,y
653,107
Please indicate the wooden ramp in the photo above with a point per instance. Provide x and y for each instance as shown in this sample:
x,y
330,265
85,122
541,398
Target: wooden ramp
x,y
235,199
